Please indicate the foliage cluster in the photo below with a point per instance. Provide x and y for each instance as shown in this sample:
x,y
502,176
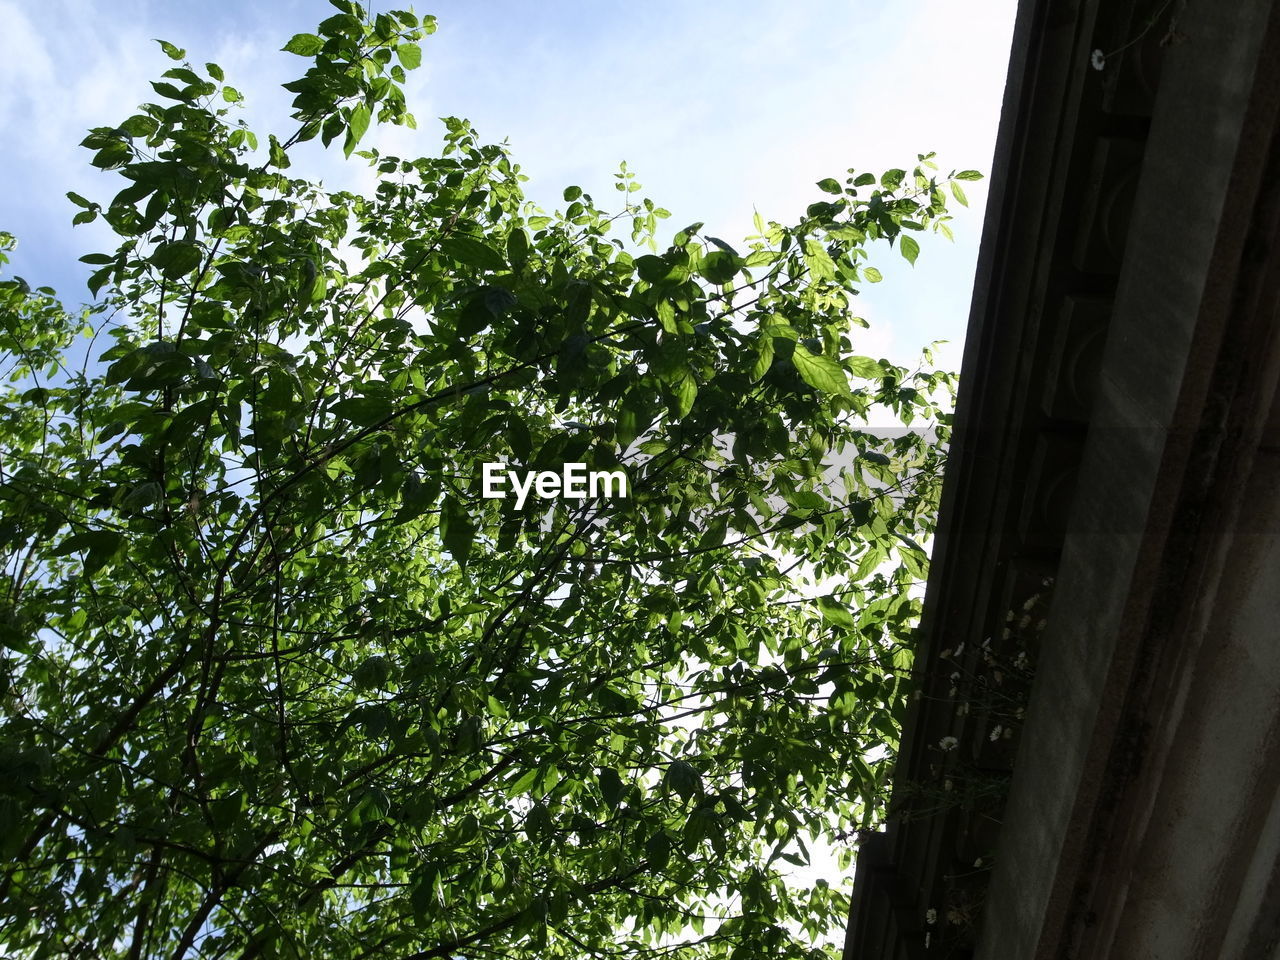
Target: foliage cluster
x,y
277,682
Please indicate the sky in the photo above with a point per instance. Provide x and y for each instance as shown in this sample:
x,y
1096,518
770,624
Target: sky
x,y
721,108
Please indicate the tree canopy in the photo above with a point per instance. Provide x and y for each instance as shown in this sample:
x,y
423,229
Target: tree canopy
x,y
278,681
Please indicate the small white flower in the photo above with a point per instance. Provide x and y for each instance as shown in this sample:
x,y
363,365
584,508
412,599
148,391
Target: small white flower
x,y
958,650
1097,60
1031,601
995,732
1021,661
946,654
1008,615
948,786
955,675
931,916
1004,634
978,862
1024,622
947,744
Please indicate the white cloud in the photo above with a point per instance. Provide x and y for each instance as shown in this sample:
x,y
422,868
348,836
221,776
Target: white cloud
x,y
61,72
25,64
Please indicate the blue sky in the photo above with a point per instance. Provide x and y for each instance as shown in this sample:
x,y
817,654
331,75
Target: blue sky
x,y
719,107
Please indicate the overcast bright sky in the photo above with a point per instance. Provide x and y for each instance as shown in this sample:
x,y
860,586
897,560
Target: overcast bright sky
x,y
718,107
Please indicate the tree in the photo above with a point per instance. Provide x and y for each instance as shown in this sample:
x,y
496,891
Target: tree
x,y
280,682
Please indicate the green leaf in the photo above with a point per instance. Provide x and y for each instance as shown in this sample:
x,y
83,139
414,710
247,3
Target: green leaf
x,y
178,258
872,274
277,154
655,270
968,175
304,45
113,155
628,427
89,540
821,266
719,267
764,358
807,500
99,546
410,55
835,612
657,850
714,535
865,367
685,390
100,277
667,316
958,193
373,673
611,787
524,781
423,893
683,779
910,248
828,185
139,126
484,306
169,90
819,371
457,531
915,562
357,124
472,252
172,52
363,411
725,247
518,247
537,822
